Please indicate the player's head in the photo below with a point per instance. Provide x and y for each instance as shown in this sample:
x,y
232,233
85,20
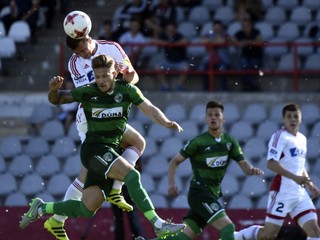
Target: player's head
x,y
214,115
104,72
291,115
83,47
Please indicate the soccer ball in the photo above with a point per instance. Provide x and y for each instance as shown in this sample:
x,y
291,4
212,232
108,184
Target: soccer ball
x,y
77,24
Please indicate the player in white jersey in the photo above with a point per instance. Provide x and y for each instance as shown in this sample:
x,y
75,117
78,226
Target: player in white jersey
x,y
79,66
286,157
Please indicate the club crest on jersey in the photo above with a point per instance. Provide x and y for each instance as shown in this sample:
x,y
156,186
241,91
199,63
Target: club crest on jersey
x,y
107,112
118,98
214,206
108,156
229,144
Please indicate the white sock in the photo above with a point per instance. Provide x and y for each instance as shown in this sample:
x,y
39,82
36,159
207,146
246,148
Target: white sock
x,y
131,154
249,233
74,191
313,238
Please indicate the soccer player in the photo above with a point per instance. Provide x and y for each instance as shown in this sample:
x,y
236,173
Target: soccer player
x,y
286,157
79,65
210,154
106,104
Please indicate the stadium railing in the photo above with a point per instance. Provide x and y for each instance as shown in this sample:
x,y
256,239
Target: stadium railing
x,y
212,73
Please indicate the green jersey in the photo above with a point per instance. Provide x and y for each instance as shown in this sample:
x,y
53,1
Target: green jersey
x,y
210,156
107,113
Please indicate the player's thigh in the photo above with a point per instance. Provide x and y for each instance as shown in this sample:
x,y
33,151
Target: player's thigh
x,y
206,206
132,137
92,198
304,210
279,205
311,227
119,169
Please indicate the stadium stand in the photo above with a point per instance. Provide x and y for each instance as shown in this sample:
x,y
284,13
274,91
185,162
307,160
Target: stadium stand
x,y
21,165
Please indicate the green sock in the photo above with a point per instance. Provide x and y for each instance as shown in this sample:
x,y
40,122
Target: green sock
x,y
227,233
70,208
138,194
178,236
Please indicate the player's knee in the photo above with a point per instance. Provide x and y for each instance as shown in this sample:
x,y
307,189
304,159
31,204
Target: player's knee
x,y
227,232
139,142
85,212
142,144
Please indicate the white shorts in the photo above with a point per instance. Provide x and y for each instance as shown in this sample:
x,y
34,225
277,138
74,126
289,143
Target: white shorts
x,y
300,207
81,123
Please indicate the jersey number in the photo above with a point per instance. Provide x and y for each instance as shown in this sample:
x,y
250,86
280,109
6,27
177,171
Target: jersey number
x,y
280,207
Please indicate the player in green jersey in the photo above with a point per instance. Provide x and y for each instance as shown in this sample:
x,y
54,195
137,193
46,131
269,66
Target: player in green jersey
x,y
210,154
106,104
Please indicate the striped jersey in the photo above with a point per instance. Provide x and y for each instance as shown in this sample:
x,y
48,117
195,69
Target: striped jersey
x,y
210,156
81,70
107,113
290,150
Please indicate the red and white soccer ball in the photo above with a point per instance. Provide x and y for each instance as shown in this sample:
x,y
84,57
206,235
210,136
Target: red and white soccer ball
x,y
77,24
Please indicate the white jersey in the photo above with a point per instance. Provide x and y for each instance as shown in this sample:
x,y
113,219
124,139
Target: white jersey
x,y
81,70
290,151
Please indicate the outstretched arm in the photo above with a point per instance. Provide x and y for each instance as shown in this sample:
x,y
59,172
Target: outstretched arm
x,y
158,116
57,96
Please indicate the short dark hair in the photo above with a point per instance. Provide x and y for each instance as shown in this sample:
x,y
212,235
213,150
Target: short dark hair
x,y
215,104
219,22
73,43
290,107
102,61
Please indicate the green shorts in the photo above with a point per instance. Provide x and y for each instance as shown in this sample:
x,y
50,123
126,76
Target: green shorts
x,y
98,159
204,207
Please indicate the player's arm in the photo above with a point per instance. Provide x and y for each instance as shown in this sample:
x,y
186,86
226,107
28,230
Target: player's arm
x,y
157,115
129,74
57,96
278,168
123,64
248,169
309,184
173,190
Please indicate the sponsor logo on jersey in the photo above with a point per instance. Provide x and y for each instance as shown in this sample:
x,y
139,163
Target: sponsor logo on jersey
x,y
217,161
296,152
207,149
76,78
107,112
90,76
108,156
273,151
93,99
118,98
